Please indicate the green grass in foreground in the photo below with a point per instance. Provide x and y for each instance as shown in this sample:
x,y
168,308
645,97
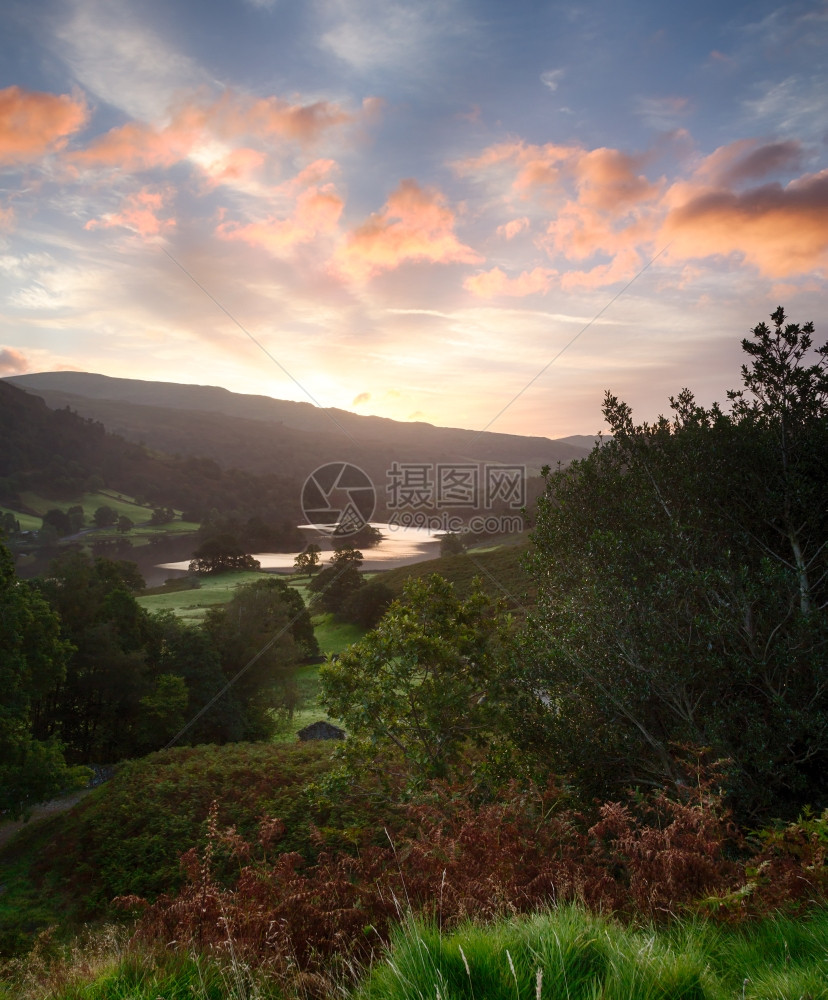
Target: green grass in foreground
x,y
574,955
566,954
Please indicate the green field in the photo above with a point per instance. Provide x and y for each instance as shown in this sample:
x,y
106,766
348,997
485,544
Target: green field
x,y
27,522
124,506
192,605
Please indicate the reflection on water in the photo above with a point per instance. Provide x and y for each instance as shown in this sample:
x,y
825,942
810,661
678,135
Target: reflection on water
x,y
399,547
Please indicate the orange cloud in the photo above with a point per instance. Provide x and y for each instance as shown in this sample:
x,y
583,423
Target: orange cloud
x,y
12,362
511,229
415,224
7,217
136,146
623,267
232,118
749,160
317,211
363,397
608,181
33,123
531,167
488,284
781,230
139,213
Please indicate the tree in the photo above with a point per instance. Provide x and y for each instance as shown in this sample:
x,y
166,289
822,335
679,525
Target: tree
x,y
162,515
428,681
105,517
451,545
255,635
9,525
125,524
366,606
670,607
307,561
337,582
220,554
32,666
59,520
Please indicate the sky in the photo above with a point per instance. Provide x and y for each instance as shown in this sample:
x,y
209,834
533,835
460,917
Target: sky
x,y
468,212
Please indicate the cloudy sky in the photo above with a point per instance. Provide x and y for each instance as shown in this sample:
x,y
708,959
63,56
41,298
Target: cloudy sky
x,y
412,208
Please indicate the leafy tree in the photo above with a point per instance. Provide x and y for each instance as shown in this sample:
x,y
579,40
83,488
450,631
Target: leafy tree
x,y
125,524
162,515
451,545
32,665
77,518
9,525
255,635
59,520
96,708
220,554
366,606
672,605
105,517
307,561
338,581
428,681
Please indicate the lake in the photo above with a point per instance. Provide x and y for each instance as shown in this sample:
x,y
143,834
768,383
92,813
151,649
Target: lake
x,y
399,547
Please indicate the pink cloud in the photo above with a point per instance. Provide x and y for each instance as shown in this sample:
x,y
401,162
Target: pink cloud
x,y
608,180
416,224
7,217
12,362
489,284
780,230
316,212
509,230
138,213
747,160
34,123
232,118
624,266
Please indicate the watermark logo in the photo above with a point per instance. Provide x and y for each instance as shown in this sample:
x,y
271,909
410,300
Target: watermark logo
x,y
340,497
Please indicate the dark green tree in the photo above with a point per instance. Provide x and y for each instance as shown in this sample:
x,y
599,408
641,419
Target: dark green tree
x,y
32,665
672,607
105,517
428,682
338,581
255,636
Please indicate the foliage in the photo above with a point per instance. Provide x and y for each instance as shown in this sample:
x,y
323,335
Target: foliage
x,y
338,581
260,635
32,668
682,572
454,859
105,517
221,553
128,835
427,682
451,545
366,606
308,559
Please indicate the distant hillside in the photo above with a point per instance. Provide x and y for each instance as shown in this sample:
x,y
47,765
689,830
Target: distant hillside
x,y
59,454
261,434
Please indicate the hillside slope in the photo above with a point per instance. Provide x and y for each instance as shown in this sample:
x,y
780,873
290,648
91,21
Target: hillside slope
x,y
259,433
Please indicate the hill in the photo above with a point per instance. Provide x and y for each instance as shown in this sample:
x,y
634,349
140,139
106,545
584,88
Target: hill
x,y
60,455
258,433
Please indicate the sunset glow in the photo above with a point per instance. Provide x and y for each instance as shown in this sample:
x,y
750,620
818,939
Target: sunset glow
x,y
413,207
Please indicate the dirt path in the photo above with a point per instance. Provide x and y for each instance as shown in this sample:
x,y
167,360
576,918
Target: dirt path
x,y
45,809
